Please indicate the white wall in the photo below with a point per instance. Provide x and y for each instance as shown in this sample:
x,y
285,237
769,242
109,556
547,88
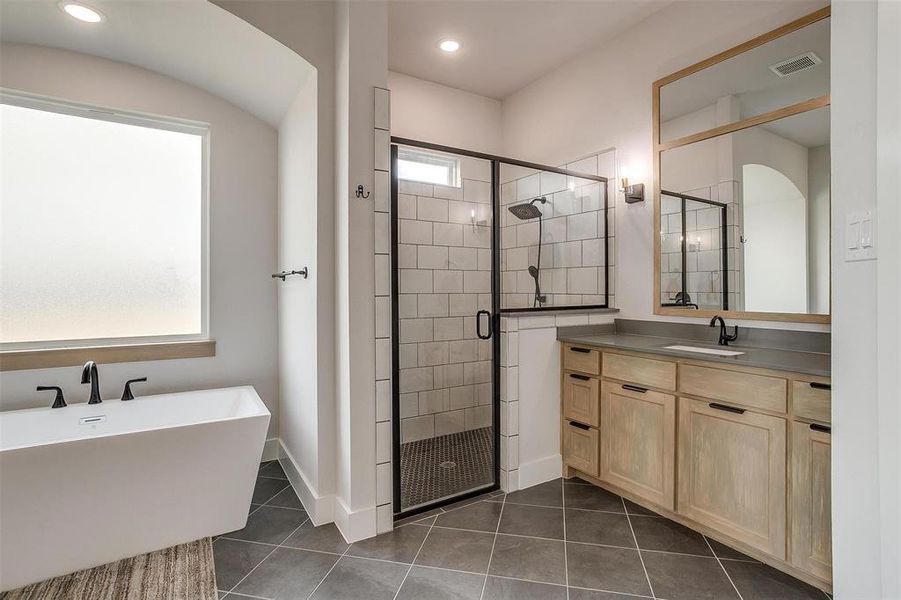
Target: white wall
x,y
818,198
856,526
362,52
603,98
888,152
430,112
242,227
309,430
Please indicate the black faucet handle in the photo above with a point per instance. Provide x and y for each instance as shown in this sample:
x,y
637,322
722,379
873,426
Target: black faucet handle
x,y
59,401
126,393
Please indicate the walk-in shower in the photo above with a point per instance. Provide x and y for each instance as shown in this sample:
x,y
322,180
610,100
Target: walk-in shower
x,y
525,212
473,236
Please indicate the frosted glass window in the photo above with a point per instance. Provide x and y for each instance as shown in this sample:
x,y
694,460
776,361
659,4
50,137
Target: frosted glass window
x,y
415,165
102,225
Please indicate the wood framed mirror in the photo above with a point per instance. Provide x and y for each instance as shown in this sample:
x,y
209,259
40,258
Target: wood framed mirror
x,y
741,180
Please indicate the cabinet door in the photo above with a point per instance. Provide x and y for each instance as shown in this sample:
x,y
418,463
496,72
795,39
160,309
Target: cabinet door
x,y
812,499
638,429
581,398
580,447
732,472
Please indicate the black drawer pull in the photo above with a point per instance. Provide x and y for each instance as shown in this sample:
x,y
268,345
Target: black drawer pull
x,y
580,377
723,407
820,428
820,386
579,426
582,350
634,388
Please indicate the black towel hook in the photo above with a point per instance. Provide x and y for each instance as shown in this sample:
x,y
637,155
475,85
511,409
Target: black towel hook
x,y
360,193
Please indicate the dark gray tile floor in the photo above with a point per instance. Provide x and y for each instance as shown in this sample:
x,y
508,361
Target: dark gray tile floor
x,y
556,541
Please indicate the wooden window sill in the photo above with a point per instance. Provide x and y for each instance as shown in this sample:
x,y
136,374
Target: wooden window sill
x,y
17,360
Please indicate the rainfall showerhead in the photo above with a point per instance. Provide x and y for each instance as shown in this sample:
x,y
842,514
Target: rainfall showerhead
x,y
527,210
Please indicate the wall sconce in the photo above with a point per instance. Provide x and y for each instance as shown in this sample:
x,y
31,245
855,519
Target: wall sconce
x,y
633,193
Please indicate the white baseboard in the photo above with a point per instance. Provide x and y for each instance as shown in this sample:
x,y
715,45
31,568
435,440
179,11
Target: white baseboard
x,y
320,508
270,450
539,471
354,526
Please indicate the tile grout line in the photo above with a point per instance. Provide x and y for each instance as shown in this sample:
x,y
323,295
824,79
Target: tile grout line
x,y
413,562
565,548
720,563
493,544
267,556
332,568
637,547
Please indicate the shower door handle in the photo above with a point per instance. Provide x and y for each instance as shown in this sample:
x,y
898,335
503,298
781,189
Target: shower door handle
x,y
479,325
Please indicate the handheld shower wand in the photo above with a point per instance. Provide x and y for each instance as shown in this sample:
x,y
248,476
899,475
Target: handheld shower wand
x,y
525,212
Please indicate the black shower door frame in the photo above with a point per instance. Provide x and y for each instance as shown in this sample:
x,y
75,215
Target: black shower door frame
x,y
496,310
724,243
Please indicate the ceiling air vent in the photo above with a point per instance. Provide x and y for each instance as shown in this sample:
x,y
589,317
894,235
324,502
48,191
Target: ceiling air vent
x,y
795,64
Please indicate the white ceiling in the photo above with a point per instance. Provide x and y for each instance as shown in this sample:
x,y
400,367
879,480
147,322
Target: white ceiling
x,y
190,40
506,44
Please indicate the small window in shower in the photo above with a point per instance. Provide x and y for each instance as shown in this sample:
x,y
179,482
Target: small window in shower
x,y
428,167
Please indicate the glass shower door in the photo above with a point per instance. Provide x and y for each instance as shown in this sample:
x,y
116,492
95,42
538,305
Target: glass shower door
x,y
443,261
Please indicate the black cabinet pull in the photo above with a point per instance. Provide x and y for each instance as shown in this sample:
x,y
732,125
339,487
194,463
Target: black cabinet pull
x,y
820,386
634,388
582,350
579,426
723,407
820,428
580,377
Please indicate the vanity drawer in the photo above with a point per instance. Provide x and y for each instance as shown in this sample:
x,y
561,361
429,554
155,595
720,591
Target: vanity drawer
x,y
812,400
747,389
582,359
580,447
647,371
581,398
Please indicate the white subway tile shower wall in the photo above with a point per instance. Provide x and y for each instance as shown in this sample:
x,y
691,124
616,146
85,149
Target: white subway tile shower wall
x,y
384,515
704,247
444,262
572,237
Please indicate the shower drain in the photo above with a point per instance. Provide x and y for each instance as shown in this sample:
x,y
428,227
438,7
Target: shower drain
x,y
448,464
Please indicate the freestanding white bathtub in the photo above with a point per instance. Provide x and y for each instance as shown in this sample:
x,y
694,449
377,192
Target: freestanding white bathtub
x,y
84,485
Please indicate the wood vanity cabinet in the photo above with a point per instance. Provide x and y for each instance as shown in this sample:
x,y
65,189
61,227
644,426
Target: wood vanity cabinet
x,y
811,499
638,431
581,395
739,453
580,447
732,472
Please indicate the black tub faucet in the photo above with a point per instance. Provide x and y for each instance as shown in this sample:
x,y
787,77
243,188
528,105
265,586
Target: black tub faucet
x,y
725,338
59,401
89,375
127,393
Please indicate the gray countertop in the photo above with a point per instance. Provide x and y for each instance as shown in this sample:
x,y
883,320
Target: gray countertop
x,y
809,363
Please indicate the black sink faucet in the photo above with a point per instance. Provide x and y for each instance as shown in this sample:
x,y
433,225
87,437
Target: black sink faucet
x,y
725,338
89,375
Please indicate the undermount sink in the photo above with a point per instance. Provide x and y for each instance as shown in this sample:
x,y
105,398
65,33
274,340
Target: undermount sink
x,y
704,350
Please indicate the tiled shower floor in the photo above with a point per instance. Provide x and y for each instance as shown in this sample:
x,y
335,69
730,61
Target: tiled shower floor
x,y
439,467
553,541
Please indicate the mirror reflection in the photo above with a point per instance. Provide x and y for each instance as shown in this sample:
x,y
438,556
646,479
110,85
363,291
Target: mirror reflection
x,y
787,70
744,221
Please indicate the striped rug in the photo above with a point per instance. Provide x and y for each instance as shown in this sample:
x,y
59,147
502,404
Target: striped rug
x,y
181,572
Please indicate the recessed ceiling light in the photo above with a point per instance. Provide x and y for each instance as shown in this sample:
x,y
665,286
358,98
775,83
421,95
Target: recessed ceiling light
x,y
449,46
81,12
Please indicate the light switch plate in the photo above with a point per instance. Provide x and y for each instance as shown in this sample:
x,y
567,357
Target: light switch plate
x,y
860,236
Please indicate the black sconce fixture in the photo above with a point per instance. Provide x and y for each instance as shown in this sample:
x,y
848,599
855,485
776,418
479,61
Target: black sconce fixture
x,y
633,193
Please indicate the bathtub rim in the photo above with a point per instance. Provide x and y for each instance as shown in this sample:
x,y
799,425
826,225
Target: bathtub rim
x,y
262,411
